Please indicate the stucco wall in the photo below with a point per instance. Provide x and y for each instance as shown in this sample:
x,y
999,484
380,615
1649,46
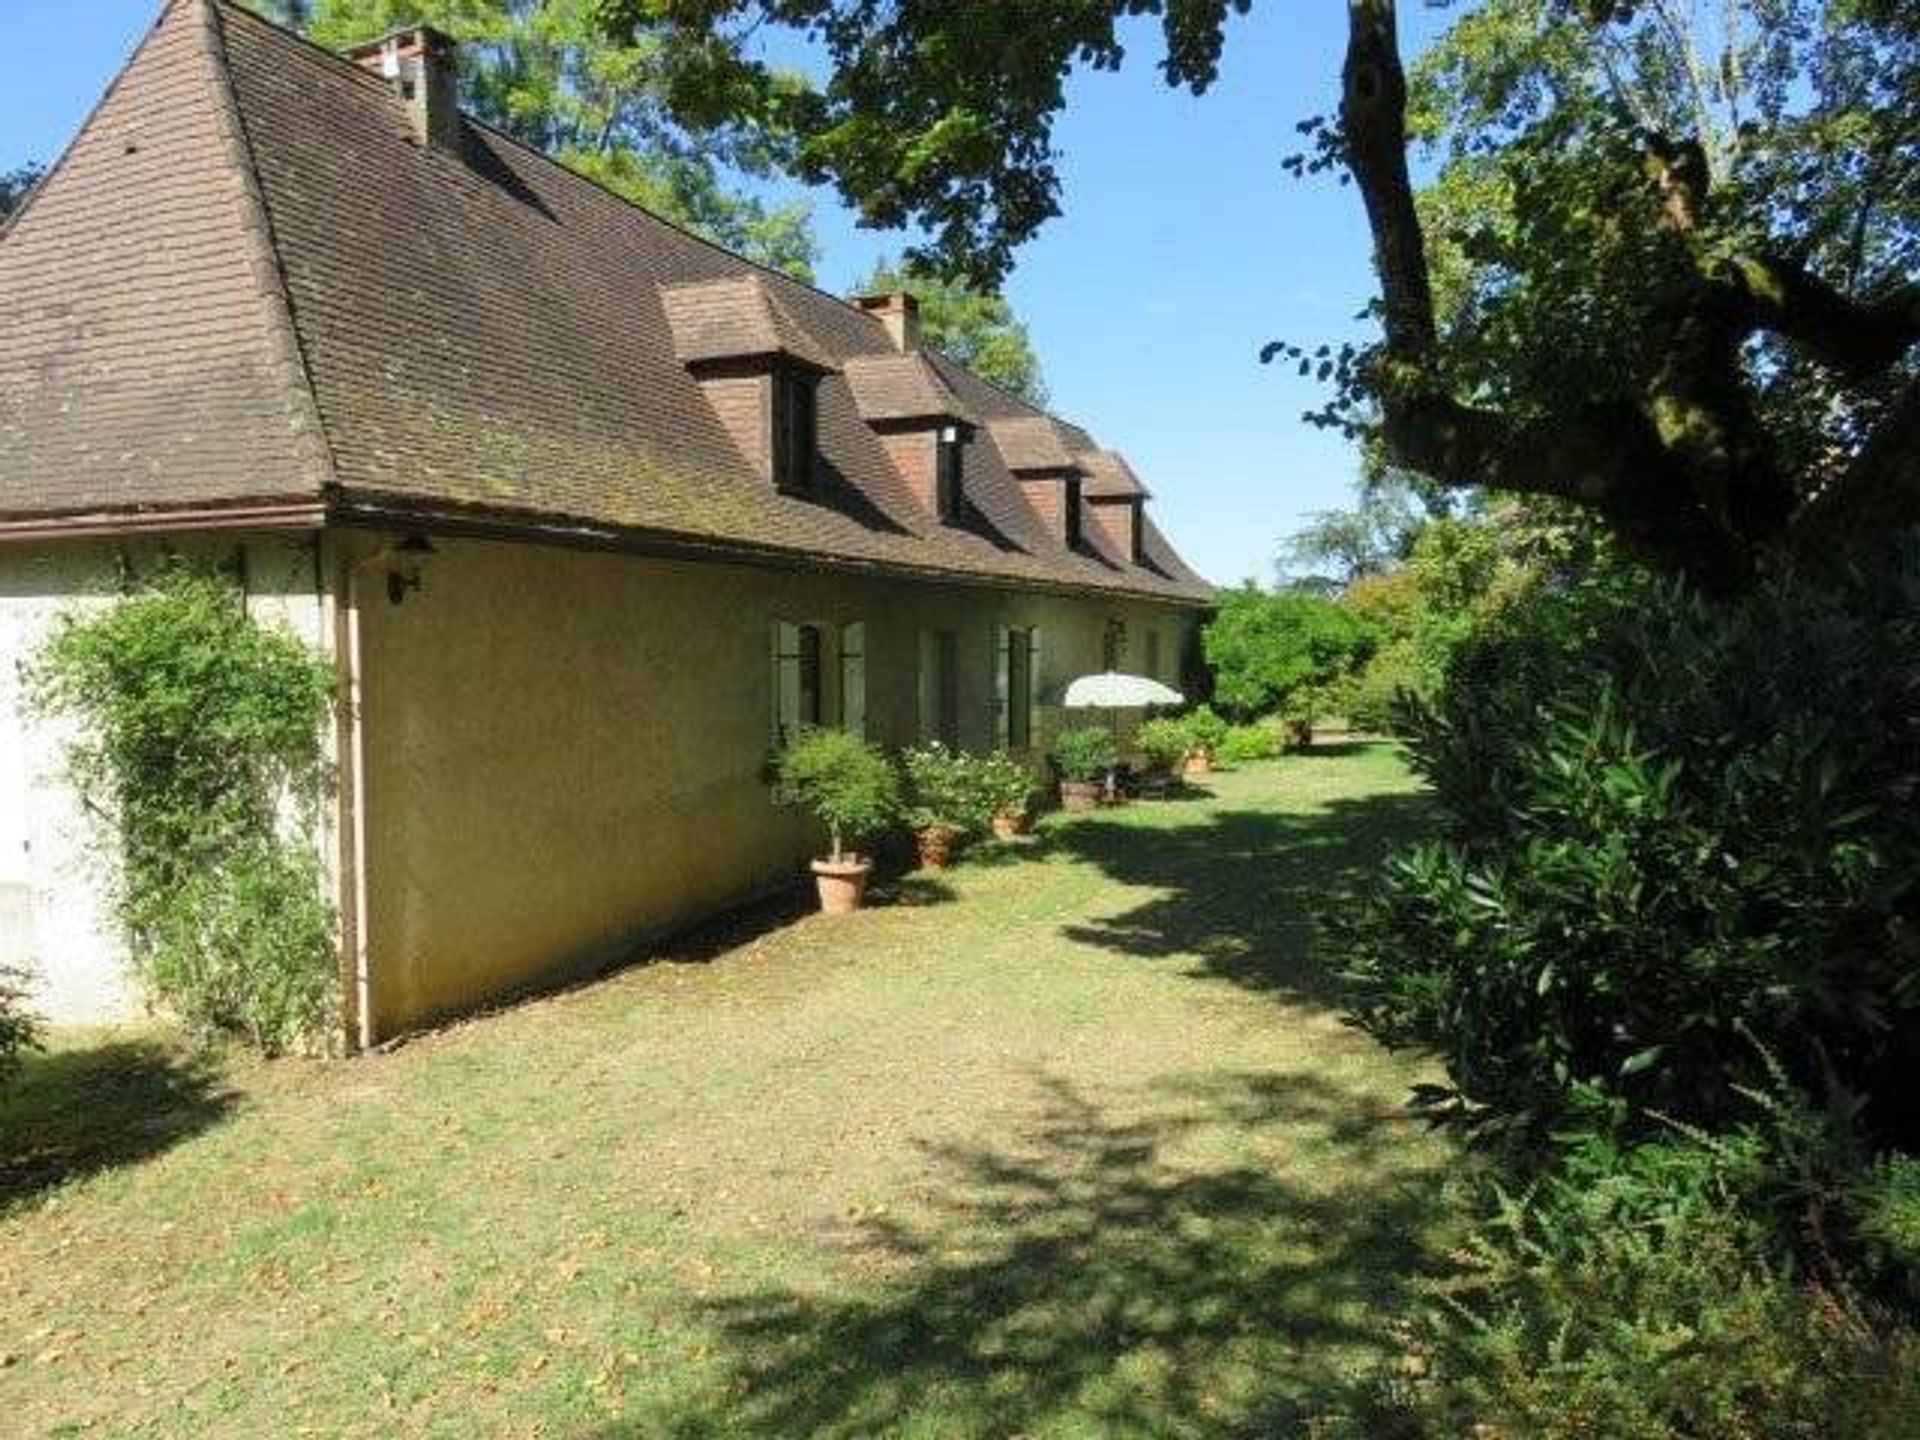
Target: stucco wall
x,y
564,749
51,917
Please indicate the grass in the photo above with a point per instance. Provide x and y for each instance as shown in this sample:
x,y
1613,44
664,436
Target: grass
x,y
1067,1141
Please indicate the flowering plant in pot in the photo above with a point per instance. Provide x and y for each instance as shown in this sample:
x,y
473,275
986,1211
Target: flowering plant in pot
x,y
1163,743
849,787
1006,788
1083,754
944,801
1205,731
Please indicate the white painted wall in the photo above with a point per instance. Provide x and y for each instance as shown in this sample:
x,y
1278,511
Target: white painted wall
x,y
50,911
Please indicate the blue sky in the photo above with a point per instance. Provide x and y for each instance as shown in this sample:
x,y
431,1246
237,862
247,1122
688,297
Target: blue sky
x,y
1182,248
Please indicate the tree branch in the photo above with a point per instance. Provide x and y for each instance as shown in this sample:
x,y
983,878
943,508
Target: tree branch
x,y
1858,339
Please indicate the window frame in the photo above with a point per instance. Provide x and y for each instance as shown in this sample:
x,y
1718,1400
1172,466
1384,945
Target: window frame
x,y
795,423
949,473
1073,521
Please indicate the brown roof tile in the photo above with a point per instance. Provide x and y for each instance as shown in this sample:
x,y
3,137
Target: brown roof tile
x,y
900,387
1109,477
247,279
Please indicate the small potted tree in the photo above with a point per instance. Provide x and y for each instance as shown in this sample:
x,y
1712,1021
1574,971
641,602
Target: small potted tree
x,y
1006,788
1163,743
1205,731
944,803
849,787
1083,754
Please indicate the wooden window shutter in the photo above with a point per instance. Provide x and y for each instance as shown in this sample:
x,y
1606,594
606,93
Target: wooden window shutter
x,y
924,678
1033,687
1002,686
853,678
785,718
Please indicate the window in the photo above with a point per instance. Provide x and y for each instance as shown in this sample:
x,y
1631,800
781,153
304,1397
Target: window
x,y
796,679
948,467
1072,502
940,687
795,423
1139,556
1016,686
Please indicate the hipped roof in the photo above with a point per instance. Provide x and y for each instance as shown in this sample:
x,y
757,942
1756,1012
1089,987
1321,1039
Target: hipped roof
x,y
247,284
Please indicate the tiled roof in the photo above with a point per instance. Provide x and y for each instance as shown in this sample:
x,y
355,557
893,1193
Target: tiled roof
x,y
899,387
1109,477
247,282
735,318
1033,442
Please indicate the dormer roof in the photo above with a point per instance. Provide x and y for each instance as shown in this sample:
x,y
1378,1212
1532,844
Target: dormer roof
x,y
900,387
736,318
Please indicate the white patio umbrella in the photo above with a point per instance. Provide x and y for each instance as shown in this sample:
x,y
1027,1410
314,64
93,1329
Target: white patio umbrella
x,y
1111,690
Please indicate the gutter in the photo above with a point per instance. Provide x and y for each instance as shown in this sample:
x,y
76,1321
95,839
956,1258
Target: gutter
x,y
306,514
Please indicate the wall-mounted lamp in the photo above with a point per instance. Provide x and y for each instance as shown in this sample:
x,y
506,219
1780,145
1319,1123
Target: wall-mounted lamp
x,y
405,574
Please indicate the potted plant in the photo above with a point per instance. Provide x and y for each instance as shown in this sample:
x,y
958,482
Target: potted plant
x,y
1163,743
944,802
1006,787
1205,731
849,787
1083,754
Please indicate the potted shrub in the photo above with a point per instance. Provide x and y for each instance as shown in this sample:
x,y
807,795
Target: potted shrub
x,y
1205,731
1083,754
849,787
1163,743
1006,787
944,801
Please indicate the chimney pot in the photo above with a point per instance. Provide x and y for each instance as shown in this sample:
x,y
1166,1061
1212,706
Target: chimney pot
x,y
419,62
899,312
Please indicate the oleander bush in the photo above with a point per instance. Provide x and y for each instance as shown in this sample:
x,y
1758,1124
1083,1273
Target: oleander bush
x,y
945,789
1084,753
1673,830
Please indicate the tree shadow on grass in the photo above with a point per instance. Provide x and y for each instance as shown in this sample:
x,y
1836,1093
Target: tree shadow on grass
x,y
1109,1275
1241,886
72,1113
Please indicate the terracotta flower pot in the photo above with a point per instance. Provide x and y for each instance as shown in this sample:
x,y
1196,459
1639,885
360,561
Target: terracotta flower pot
x,y
842,883
1080,796
1199,762
1009,824
935,844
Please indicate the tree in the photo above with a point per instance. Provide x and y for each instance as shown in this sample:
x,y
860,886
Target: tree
x,y
1280,651
540,71
14,186
1336,547
1703,244
976,327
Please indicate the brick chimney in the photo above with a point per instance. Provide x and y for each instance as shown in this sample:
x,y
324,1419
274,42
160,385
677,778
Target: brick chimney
x,y
899,312
419,62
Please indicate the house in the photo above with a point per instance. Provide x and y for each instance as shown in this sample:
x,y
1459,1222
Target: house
x,y
583,510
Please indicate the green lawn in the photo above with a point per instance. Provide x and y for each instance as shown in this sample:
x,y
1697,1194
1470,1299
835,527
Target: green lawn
x,y
1066,1141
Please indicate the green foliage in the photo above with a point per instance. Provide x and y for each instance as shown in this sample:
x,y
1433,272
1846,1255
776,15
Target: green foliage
x,y
1164,741
621,114
19,1027
196,725
976,327
1650,1292
1084,752
14,185
1280,651
947,788
1256,740
1006,786
846,784
1670,828
1205,728
1885,1205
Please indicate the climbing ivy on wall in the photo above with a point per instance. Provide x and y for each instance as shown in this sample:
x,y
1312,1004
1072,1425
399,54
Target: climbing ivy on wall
x,y
198,746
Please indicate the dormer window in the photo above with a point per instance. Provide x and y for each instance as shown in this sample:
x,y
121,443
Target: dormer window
x,y
1071,502
795,429
948,468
